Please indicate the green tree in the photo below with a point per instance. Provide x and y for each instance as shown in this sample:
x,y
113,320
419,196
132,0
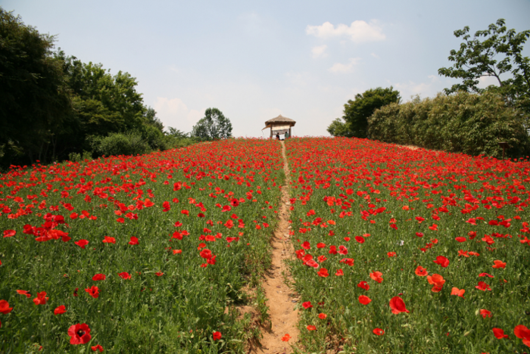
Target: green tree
x,y
33,100
356,112
496,52
213,126
339,128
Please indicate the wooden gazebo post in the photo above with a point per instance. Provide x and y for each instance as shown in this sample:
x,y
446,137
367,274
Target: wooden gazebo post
x,y
280,125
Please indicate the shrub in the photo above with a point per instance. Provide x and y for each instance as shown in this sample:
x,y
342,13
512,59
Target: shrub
x,y
129,143
468,123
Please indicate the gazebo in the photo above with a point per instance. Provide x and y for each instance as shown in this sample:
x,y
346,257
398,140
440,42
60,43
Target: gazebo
x,y
280,125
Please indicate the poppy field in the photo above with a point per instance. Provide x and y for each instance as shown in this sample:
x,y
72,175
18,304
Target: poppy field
x,y
409,250
137,254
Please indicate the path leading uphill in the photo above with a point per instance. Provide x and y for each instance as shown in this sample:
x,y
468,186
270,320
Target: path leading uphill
x,y
281,300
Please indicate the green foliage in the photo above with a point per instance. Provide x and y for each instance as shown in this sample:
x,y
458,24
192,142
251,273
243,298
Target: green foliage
x,y
500,52
469,123
119,144
213,126
339,128
33,101
356,112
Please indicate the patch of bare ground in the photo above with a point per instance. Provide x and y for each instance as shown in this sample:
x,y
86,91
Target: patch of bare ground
x,y
281,299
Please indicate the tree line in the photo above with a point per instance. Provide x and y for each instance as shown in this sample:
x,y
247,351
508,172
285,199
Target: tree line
x,y
464,118
54,107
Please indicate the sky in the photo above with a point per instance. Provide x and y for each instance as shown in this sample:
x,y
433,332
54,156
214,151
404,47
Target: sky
x,y
254,60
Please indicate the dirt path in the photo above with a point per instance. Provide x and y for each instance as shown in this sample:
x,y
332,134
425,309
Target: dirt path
x,y
281,300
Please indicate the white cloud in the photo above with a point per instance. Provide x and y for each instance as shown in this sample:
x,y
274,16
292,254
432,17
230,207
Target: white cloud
x,y
319,51
174,113
486,81
358,31
345,68
375,55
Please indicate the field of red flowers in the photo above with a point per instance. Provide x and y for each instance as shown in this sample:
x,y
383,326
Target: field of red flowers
x,y
137,254
401,250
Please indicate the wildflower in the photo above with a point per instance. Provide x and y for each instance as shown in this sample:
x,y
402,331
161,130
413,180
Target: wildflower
x,y
79,334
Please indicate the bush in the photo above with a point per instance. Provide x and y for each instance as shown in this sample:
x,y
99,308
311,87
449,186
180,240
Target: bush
x,y
468,123
119,144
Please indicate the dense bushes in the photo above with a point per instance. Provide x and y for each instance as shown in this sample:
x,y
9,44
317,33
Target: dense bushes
x,y
463,122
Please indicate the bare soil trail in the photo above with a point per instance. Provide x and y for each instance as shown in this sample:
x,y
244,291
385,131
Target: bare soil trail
x,y
281,299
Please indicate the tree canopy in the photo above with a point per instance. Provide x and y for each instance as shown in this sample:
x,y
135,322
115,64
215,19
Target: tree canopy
x,y
213,126
33,98
495,52
356,112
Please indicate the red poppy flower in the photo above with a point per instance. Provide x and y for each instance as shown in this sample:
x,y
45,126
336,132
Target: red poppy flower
x,y
159,274
437,280
461,239
523,333
109,239
217,335
166,206
321,245
79,334
397,305
59,310
41,298
378,331
98,277
4,307
419,234
97,348
420,271
322,316
483,286
75,292
377,276
364,300
206,253
364,285
81,243
120,220
499,333
133,241
458,292
307,305
286,337
339,273
485,313
124,275
499,264
391,254
347,261
24,292
9,233
323,272
359,239
485,275
441,260
306,245
93,291
311,328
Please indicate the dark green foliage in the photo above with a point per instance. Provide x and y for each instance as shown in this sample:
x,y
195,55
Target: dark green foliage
x,y
500,52
120,144
469,123
33,101
213,126
356,112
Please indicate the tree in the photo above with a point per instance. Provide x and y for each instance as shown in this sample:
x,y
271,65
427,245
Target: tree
x,y
478,58
213,126
339,128
356,112
33,100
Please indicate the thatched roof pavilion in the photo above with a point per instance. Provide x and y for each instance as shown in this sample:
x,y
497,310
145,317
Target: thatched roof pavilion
x,y
280,125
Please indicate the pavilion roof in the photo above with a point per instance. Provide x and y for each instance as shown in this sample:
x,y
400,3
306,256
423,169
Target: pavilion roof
x,y
280,119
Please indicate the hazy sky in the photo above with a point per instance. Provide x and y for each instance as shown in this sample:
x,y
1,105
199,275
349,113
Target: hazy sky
x,y
254,60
